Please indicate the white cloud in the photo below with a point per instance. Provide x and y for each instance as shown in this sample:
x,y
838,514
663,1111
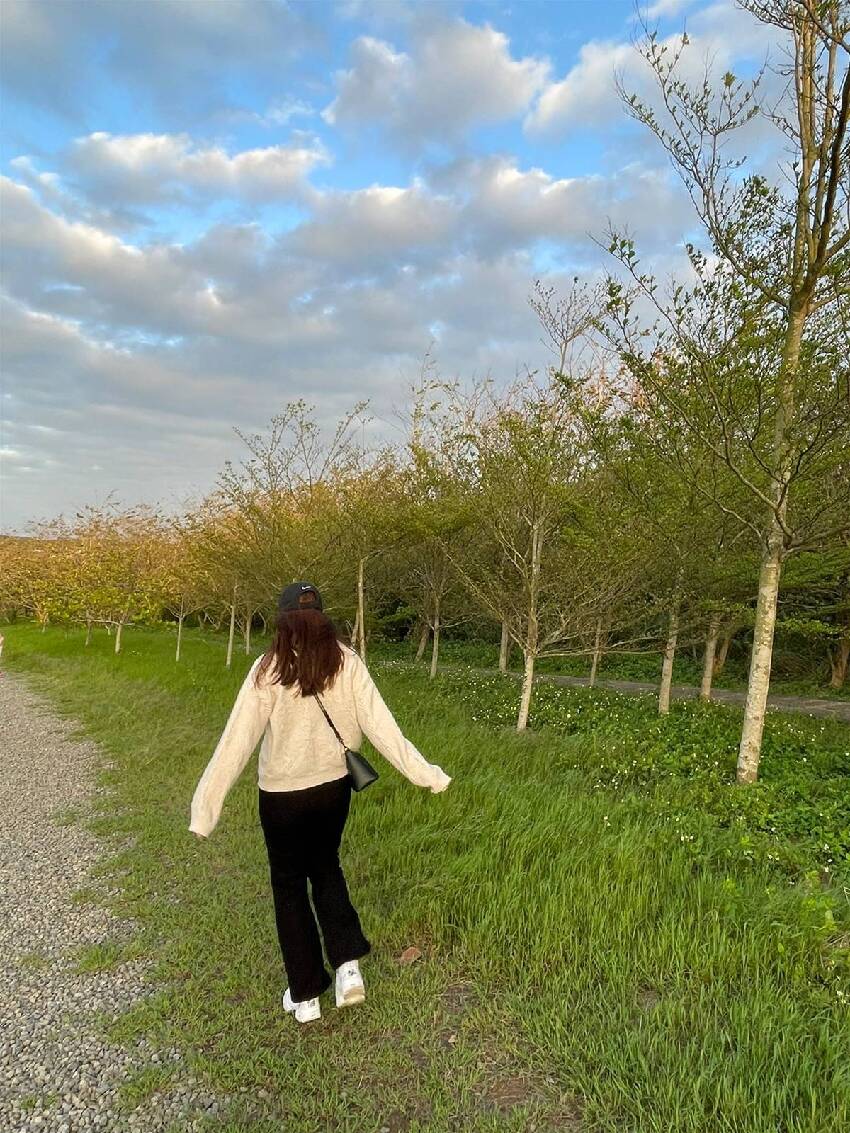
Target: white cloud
x,y
378,75
132,344
172,56
237,284
365,227
148,168
510,208
281,111
455,75
51,192
388,12
586,96
142,355
665,8
113,214
110,278
720,35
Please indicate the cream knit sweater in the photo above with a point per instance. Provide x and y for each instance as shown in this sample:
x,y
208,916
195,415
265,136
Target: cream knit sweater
x,y
299,749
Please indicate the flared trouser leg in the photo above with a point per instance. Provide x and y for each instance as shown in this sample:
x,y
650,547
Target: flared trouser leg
x,y
303,831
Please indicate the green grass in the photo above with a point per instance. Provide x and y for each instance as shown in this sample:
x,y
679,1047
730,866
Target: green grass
x,y
30,1102
105,955
67,816
682,767
644,667
143,1083
614,937
34,961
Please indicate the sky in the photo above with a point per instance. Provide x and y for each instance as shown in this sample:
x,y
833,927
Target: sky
x,y
213,207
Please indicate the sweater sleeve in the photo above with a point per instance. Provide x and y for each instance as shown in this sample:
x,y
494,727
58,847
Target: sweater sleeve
x,y
246,724
379,725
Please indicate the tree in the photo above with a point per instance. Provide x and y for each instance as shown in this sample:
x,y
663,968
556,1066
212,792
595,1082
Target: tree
x,y
434,511
186,583
782,265
368,500
650,525
522,457
815,606
118,576
283,504
31,575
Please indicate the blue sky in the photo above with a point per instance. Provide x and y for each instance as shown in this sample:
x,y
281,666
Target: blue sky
x,y
210,208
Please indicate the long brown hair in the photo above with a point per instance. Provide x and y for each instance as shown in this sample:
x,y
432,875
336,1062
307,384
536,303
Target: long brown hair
x,y
306,648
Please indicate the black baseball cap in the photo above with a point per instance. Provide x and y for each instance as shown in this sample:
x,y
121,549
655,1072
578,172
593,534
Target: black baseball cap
x,y
300,596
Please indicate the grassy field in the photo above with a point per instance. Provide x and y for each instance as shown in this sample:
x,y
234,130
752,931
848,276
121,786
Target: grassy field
x,y
613,936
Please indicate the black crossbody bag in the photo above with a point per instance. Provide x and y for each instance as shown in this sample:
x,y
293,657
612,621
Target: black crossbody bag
x,y
360,771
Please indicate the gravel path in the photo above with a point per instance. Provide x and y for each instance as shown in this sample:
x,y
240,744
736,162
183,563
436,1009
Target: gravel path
x,y
56,1073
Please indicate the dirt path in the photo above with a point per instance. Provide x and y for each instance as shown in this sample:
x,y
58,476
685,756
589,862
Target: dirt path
x,y
812,706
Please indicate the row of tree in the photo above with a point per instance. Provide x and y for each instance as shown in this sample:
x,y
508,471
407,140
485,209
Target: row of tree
x,y
539,509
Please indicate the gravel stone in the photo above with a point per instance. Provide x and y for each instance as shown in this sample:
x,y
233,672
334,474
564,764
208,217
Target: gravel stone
x,y
56,1073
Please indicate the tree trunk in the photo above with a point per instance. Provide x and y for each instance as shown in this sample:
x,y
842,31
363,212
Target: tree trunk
x,y
423,641
525,699
708,657
179,632
761,657
435,646
118,637
838,659
504,648
532,633
355,630
669,653
249,617
597,652
232,629
361,610
722,648
88,631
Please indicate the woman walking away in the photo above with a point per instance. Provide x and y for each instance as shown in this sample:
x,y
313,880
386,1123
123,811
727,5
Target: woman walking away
x,y
305,789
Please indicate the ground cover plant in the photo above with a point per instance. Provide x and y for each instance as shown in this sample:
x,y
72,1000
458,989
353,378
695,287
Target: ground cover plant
x,y
613,936
643,667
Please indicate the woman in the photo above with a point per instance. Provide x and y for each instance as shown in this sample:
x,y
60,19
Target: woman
x,y
304,789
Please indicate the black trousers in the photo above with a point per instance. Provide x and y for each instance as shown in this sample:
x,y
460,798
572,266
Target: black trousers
x,y
303,831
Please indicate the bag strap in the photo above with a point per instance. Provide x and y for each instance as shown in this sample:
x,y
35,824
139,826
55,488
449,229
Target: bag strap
x,y
330,721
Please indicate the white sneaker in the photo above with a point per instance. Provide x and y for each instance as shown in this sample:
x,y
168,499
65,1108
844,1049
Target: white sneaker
x,y
307,1011
349,985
